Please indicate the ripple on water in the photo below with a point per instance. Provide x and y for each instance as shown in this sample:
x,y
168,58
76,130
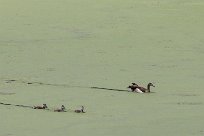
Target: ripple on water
x,y
189,103
6,92
186,95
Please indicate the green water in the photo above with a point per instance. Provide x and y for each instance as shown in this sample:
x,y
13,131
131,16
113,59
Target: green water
x,y
104,43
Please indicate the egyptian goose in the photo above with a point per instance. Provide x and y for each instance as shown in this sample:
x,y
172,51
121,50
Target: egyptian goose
x,y
140,89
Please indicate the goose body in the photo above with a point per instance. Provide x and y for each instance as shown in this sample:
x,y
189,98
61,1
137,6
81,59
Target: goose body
x,y
80,111
40,107
133,87
62,109
139,89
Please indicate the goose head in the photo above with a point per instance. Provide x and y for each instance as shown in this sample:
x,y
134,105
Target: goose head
x,y
82,109
45,106
63,107
150,84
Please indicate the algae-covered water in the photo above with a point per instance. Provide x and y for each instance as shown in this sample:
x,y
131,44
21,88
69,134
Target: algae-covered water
x,y
65,47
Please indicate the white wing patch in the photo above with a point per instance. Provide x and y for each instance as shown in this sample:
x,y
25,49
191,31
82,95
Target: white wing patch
x,y
138,90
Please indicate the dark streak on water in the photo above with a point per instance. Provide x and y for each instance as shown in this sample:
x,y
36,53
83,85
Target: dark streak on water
x,y
64,85
41,83
189,103
4,93
186,95
108,89
25,106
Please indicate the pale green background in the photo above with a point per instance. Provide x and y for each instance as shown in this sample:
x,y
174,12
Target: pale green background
x,y
103,43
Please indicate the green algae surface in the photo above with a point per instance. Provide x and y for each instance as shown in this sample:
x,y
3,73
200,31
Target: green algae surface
x,y
65,47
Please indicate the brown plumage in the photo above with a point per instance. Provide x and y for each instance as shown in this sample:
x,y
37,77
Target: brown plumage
x,y
145,90
133,86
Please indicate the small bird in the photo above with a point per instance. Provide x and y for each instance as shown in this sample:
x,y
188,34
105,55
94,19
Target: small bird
x,y
62,109
80,111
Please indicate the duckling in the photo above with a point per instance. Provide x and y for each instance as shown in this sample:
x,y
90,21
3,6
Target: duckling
x,y
62,109
80,111
40,107
145,90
